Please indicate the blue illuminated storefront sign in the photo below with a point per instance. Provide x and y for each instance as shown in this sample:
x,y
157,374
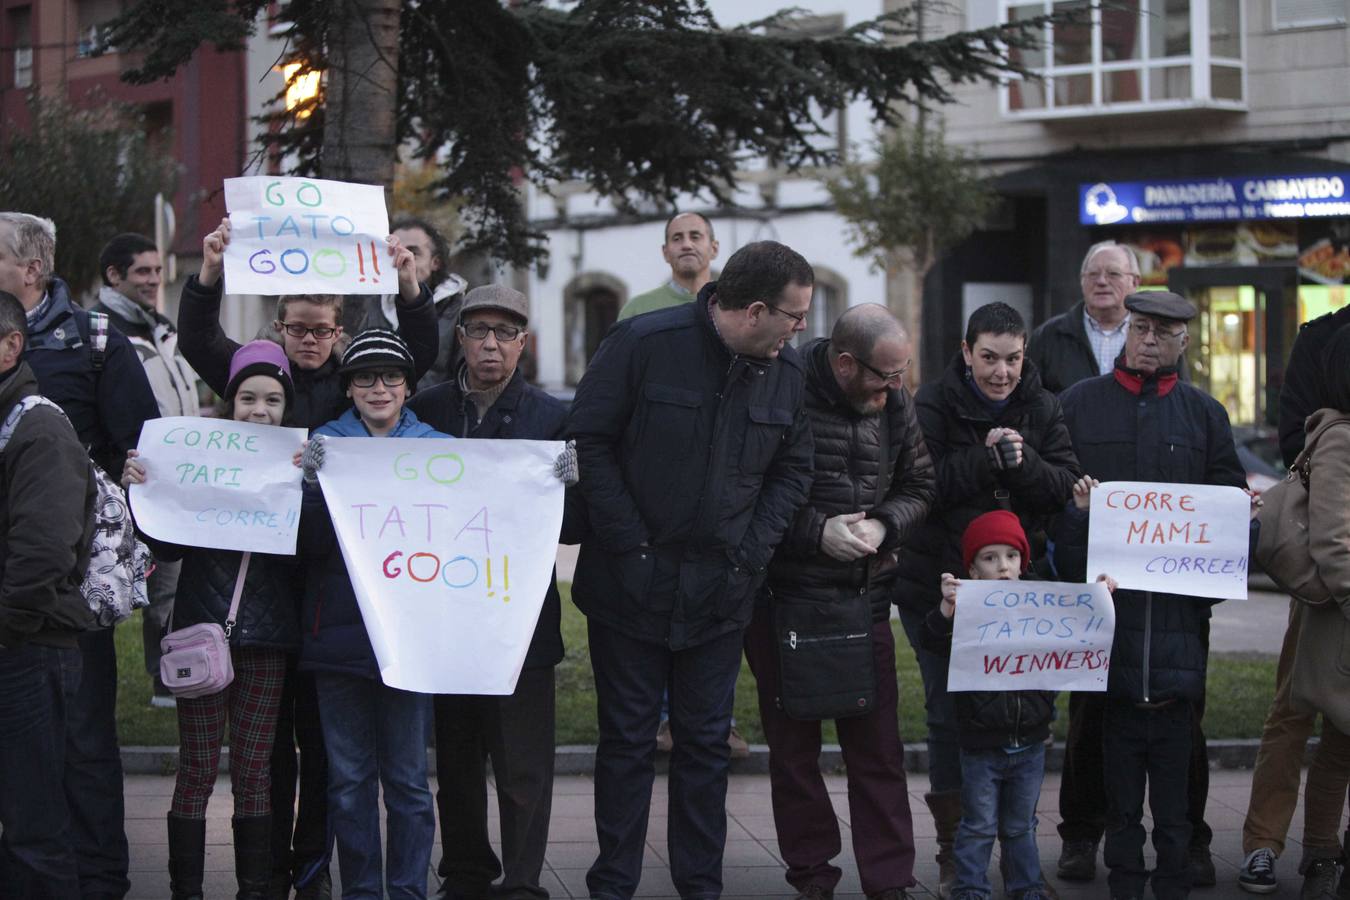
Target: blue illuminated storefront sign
x,y
1215,199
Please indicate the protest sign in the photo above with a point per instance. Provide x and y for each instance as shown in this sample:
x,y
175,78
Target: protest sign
x,y
218,483
307,236
1031,636
450,547
1174,538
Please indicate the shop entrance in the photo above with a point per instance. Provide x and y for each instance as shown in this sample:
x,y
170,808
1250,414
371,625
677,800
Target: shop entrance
x,y
1240,341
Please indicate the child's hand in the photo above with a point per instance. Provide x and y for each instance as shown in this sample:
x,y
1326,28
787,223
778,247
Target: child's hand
x,y
1257,502
1108,581
213,254
949,585
132,471
1082,491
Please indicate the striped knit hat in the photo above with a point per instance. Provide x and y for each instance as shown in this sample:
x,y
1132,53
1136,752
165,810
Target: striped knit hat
x,y
376,348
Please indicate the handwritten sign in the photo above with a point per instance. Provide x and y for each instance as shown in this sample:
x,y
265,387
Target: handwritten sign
x,y
217,483
307,235
1174,538
450,547
1031,635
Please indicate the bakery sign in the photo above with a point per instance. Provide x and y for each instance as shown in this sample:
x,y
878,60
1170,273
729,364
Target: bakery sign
x,y
1215,199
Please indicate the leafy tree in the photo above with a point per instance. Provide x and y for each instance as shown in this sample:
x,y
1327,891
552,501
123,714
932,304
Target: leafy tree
x,y
919,197
639,98
91,171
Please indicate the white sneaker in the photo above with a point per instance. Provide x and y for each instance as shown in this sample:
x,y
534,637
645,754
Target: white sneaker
x,y
164,701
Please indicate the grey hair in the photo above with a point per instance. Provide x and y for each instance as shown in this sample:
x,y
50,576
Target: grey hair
x,y
31,237
1110,245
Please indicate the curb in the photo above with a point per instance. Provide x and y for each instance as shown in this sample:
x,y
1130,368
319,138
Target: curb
x,y
579,759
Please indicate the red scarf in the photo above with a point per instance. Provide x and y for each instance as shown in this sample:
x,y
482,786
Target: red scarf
x,y
1134,381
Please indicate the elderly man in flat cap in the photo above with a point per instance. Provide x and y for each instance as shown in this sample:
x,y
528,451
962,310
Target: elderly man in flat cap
x,y
1142,423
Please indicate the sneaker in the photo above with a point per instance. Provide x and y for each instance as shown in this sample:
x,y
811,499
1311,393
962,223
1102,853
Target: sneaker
x,y
1078,861
740,747
1201,866
160,698
664,742
1319,881
1257,875
889,894
1043,891
320,887
815,892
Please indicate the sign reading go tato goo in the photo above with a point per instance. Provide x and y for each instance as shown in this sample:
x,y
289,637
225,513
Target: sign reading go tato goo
x,y
307,236
1189,539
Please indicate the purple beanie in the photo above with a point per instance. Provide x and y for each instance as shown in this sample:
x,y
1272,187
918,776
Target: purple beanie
x,y
261,358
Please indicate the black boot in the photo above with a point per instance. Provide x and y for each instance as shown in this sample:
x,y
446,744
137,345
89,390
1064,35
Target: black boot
x,y
187,857
252,856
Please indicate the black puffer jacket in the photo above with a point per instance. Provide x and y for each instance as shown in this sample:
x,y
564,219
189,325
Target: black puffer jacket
x,y
1061,351
267,615
991,720
699,454
847,471
955,423
1304,390
1125,429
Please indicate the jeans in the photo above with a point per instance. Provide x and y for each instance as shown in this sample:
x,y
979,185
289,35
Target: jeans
x,y
37,856
944,745
629,677
999,791
375,738
1147,748
94,771
1279,761
881,828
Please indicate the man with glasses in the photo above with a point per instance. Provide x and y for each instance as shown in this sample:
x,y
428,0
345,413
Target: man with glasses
x,y
873,483
488,397
696,454
308,328
1142,423
1085,341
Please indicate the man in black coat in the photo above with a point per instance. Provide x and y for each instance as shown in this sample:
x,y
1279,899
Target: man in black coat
x,y
873,484
92,372
1141,423
489,398
695,454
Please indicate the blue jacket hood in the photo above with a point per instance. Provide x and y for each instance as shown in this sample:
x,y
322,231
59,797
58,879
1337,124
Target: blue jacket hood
x,y
349,424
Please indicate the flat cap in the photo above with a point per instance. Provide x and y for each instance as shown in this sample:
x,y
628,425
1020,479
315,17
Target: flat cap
x,y
1161,305
499,297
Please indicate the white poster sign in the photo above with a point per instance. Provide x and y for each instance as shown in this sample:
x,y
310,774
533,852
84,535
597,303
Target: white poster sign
x,y
1031,635
1187,539
217,483
450,546
307,236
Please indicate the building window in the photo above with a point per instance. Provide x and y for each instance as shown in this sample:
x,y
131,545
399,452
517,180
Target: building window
x,y
21,38
591,304
1310,13
1130,56
90,17
829,299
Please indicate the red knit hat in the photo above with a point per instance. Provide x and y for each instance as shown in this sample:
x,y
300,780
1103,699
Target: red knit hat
x,y
997,527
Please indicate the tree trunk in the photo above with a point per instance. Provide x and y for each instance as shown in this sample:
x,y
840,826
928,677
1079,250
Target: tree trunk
x,y
359,118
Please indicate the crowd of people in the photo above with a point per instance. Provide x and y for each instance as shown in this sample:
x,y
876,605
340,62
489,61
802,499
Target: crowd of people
x,y
731,494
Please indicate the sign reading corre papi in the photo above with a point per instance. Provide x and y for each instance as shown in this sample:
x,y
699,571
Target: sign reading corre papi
x,y
450,546
1189,539
307,236
1030,635
218,483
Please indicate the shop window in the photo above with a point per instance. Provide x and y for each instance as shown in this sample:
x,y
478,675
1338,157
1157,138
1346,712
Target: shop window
x,y
1310,13
591,304
1130,56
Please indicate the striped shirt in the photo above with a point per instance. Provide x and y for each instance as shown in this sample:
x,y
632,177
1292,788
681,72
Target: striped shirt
x,y
1106,344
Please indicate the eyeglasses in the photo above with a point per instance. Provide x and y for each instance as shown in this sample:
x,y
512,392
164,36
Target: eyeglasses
x,y
296,330
1141,328
479,331
1110,274
886,377
391,378
799,319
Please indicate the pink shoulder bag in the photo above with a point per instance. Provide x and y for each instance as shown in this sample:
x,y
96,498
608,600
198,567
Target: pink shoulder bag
x,y
196,659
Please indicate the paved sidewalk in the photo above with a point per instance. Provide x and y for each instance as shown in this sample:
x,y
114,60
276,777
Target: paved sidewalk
x,y
753,867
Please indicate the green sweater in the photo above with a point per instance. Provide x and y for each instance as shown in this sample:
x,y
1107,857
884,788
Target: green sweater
x,y
665,295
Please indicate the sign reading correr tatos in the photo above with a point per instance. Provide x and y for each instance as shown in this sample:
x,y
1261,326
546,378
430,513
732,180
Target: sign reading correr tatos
x,y
1215,199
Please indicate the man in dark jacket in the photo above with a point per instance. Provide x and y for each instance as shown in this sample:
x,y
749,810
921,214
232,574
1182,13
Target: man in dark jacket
x,y
696,454
93,374
873,484
1085,341
44,501
490,398
1141,423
